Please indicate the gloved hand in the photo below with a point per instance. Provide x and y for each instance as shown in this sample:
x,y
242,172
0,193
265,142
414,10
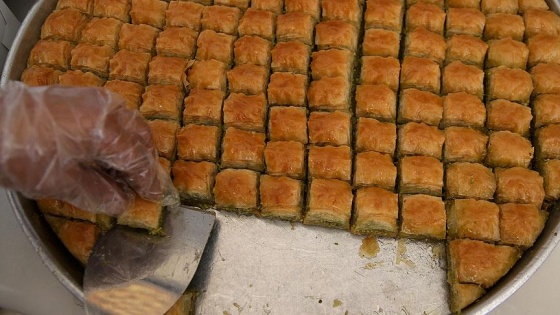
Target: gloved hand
x,y
79,145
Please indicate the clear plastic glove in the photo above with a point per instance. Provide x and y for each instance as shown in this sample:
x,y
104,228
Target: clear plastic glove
x,y
79,145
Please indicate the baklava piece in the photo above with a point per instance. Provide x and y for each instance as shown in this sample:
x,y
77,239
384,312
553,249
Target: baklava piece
x,y
168,70
519,185
212,45
138,38
503,25
422,43
507,149
508,53
194,181
92,58
423,216
420,73
243,149
63,209
241,4
373,135
203,106
330,162
476,262
346,10
541,22
248,78
252,49
420,106
499,6
295,26
77,236
380,70
177,42
550,172
329,203
429,16
509,116
336,34
183,14
469,180
286,88
143,214
150,12
198,143
466,49
281,198
463,109
473,4
258,23
463,295
329,94
548,142
510,84
384,14
243,198
311,7
207,74
376,211
464,144
420,175
162,102
383,43
130,91
64,25
459,77
84,6
275,6
79,78
129,66
543,49
375,169
464,21
520,225
546,78
285,158
332,63
56,54
525,5
546,109
165,165
117,9
420,139
290,57
329,128
101,32
40,76
474,219
247,112
164,134
376,101
220,19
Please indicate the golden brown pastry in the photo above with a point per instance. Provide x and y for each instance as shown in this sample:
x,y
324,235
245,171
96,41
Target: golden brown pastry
x,y
63,209
336,34
376,101
509,116
499,6
162,101
525,5
275,6
379,42
92,58
474,219
207,74
519,185
420,73
329,203
243,149
420,106
541,22
39,76
176,42
546,109
183,14
281,197
543,49
248,78
507,149
164,134
463,109
423,216
332,63
286,158
422,43
150,12
510,84
464,144
473,4
287,124
220,19
464,21
130,91
420,175
295,26
244,198
79,78
466,49
520,225
508,53
311,7
165,164
546,78
257,22
380,70
168,70
138,38
290,57
252,49
329,128
330,162
550,172
198,143
463,295
77,236
375,169
469,180
51,53
329,94
503,25
247,112
84,6
213,45
241,4
117,9
373,135
101,32
129,66
375,212
288,89
203,106
143,214
459,77
429,16
384,14
194,181
548,142
64,25
346,10
420,139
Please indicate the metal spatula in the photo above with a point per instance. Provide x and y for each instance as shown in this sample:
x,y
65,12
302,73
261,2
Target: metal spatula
x,y
130,272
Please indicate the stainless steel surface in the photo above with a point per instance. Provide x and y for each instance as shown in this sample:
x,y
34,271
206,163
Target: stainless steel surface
x,y
259,266
124,258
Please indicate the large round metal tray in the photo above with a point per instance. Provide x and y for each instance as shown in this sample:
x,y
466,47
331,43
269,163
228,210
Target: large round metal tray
x,y
261,266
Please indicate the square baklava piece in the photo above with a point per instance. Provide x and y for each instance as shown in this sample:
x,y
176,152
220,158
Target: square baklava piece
x,y
330,162
252,49
243,149
198,143
543,49
295,26
92,58
213,45
248,78
183,14
384,14
473,4
241,4
519,185
177,42
285,158
311,7
420,175
117,9
203,106
101,32
380,70
420,139
420,73
143,214
548,142
336,34
329,94
287,89
520,225
550,171
221,19
376,211
509,116
287,124
78,237
474,219
246,112
507,149
64,25
329,203
164,134
510,84
130,91
129,66
281,197
84,6
420,106
508,53
162,101
464,144
345,10
243,198
376,101
422,43
329,128
546,78
463,109
466,49
56,54
499,6
465,21
290,57
79,78
194,181
168,70
538,5
138,38
207,74
380,42
503,25
459,77
332,63
426,15
423,216
546,109
39,76
150,12
541,22
469,180
374,135
275,6
257,22
375,169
